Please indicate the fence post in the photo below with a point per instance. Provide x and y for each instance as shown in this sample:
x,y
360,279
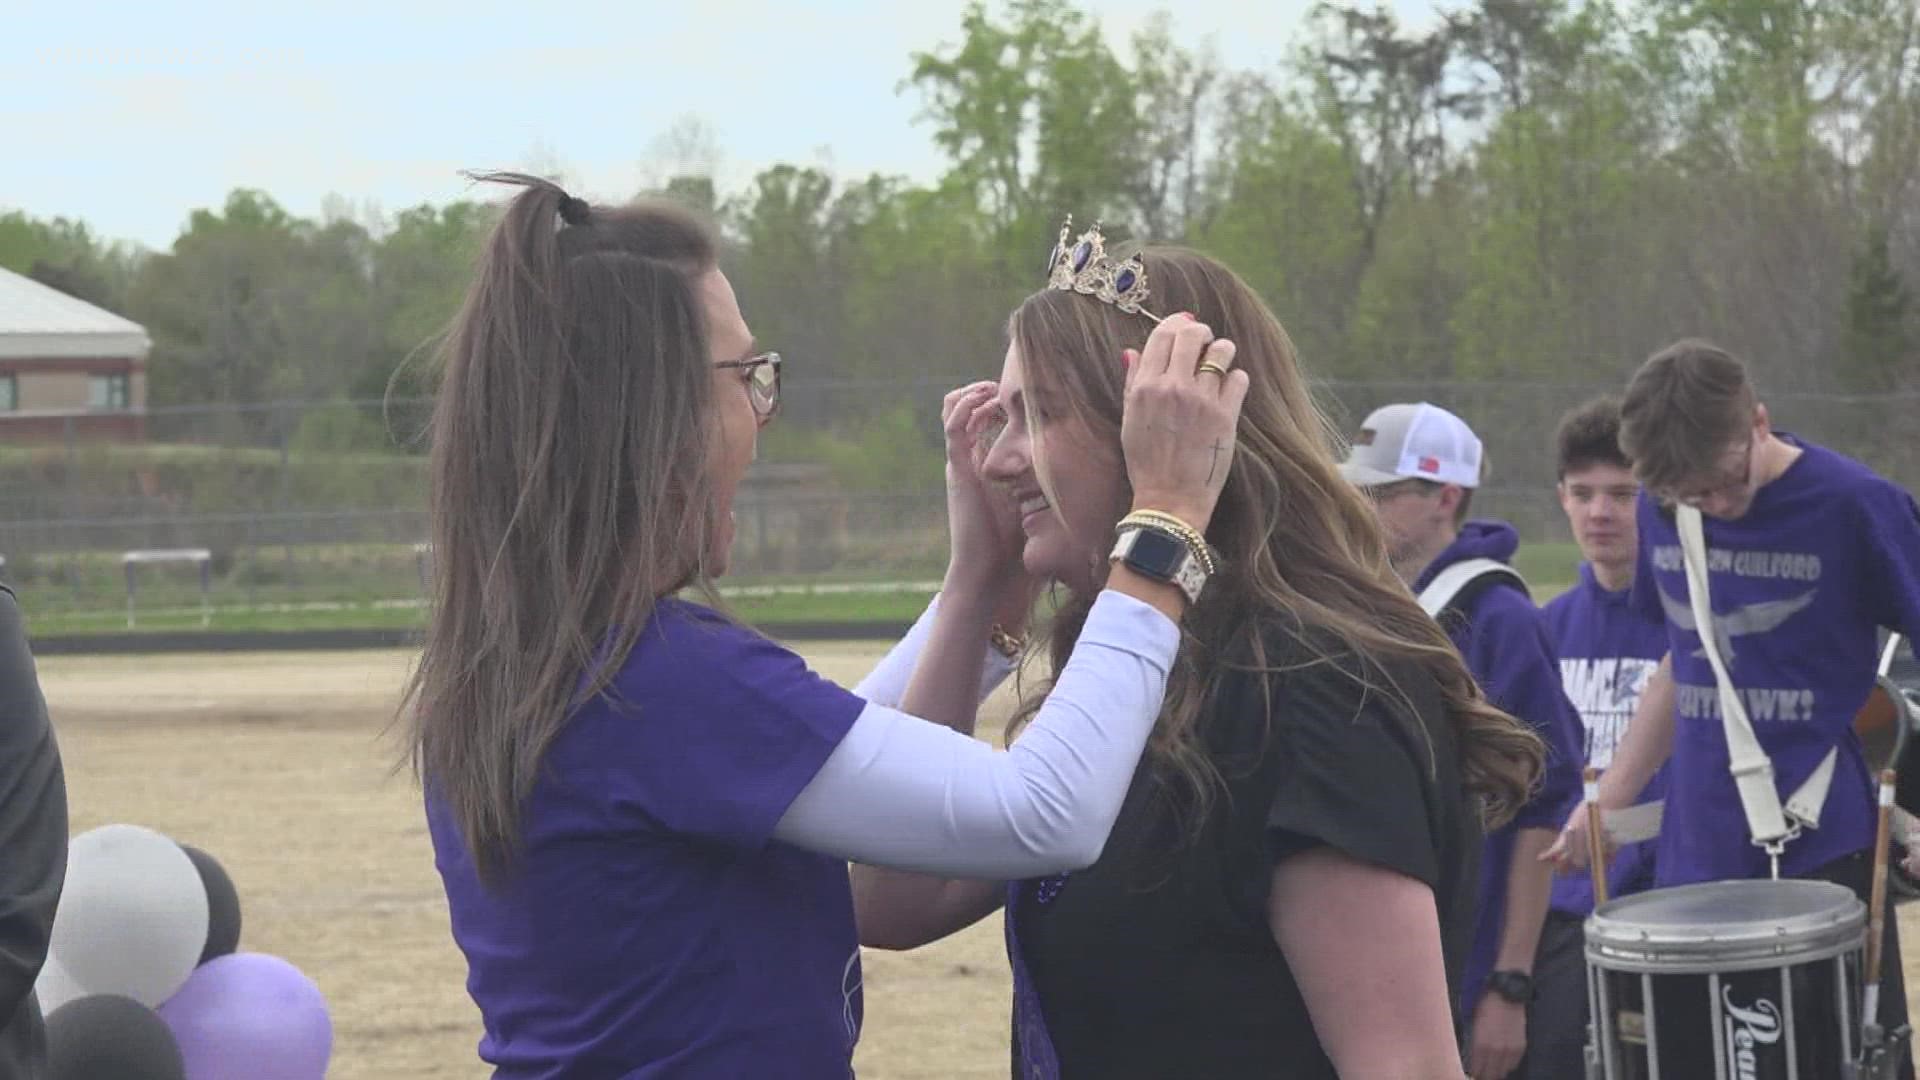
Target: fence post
x,y
286,482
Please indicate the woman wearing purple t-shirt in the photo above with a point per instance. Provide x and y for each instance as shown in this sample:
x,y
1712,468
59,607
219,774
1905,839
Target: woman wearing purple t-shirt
x,y
1289,890
642,812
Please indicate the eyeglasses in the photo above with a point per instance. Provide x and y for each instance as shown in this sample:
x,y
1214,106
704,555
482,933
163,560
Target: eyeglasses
x,y
762,373
1725,482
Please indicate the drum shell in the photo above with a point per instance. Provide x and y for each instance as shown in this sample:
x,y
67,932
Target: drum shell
x,y
1747,979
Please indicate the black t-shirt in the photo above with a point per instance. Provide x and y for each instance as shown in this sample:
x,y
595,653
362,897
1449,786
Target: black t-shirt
x,y
1158,961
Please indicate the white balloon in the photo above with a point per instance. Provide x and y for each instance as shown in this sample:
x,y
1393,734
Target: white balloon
x,y
55,987
133,914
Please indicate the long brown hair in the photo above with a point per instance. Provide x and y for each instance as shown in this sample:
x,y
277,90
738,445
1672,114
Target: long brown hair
x,y
1298,540
569,488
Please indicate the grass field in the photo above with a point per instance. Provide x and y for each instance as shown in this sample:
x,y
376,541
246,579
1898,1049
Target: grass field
x,y
901,605
375,587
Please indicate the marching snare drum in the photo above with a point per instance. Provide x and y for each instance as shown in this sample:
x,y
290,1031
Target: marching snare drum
x,y
1734,980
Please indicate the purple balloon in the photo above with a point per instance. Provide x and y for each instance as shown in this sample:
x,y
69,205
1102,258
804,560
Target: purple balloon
x,y
249,1016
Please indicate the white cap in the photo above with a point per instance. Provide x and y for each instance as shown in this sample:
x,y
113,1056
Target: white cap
x,y
1413,442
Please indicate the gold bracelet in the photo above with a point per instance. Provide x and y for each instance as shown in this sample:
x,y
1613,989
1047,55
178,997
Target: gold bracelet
x,y
1162,516
1187,534
1006,644
1179,530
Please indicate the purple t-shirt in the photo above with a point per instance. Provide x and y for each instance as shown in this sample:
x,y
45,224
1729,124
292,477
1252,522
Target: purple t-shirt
x,y
651,927
1607,651
1504,640
1828,553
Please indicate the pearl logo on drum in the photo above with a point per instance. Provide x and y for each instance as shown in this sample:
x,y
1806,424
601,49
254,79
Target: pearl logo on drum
x,y
1747,1028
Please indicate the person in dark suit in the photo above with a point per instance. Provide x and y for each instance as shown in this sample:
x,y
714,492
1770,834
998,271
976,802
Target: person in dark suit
x,y
33,846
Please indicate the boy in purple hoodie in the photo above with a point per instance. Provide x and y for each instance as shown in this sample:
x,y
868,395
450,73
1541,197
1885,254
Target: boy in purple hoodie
x,y
1809,553
1608,649
1421,464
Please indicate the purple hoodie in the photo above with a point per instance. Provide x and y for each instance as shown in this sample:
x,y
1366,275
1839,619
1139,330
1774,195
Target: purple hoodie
x,y
1608,649
1506,645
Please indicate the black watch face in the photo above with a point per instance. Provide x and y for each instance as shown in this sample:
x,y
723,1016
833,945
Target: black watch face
x,y
1512,985
1157,553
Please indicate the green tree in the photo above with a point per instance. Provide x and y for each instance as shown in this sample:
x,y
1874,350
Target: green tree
x,y
253,304
421,270
1289,221
1037,117
65,254
1880,349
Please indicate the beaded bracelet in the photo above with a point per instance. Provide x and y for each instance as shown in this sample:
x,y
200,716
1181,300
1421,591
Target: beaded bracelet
x,y
1187,534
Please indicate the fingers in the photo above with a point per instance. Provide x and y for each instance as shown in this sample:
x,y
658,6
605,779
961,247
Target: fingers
x,y
1493,1055
1217,358
1556,851
986,413
957,409
955,398
1182,345
1174,346
1233,389
985,423
1569,851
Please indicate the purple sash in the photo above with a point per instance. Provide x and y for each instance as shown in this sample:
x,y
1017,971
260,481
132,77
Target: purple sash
x,y
1032,1046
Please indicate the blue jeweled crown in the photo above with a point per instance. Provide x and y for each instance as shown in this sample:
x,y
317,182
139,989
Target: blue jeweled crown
x,y
1085,268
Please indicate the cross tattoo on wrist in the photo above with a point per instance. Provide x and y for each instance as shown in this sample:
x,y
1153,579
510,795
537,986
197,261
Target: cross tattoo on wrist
x,y
1218,448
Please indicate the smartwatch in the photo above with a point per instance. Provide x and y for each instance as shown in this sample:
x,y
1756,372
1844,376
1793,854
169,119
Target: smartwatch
x,y
1515,986
1162,556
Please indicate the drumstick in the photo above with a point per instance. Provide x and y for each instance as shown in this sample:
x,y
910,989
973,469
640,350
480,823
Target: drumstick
x,y
1876,918
1596,842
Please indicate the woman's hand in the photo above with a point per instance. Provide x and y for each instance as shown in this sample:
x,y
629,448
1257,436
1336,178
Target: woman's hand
x,y
1177,423
982,518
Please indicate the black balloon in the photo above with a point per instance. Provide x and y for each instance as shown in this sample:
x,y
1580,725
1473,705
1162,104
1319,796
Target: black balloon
x,y
223,904
109,1037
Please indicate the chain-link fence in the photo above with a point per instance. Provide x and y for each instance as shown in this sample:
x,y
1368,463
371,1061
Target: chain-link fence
x,y
323,503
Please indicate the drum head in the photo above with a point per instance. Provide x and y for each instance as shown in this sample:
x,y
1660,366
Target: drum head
x,y
1726,926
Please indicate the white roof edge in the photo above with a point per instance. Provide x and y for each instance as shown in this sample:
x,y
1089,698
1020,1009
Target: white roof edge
x,y
132,346
41,313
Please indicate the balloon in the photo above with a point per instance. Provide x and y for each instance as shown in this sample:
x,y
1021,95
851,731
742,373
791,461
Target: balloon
x,y
250,1016
223,904
133,914
110,1037
55,987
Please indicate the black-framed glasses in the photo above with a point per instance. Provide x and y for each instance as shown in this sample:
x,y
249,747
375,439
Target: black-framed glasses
x,y
763,381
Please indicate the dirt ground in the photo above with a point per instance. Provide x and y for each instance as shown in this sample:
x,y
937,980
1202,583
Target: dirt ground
x,y
281,767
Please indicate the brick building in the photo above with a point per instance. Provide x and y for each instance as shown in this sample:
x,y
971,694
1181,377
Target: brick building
x,y
68,369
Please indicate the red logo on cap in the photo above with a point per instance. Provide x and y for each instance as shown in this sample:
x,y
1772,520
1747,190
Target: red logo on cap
x,y
1430,464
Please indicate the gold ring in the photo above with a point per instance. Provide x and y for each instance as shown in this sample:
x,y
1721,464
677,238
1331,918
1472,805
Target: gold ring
x,y
1208,365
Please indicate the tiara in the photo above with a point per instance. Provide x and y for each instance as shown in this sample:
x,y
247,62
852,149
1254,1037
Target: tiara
x,y
1084,268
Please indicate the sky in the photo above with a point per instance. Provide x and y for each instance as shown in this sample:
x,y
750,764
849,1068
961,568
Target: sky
x,y
130,116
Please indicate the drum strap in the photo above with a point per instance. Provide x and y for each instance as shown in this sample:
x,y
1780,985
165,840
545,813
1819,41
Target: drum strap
x,y
1771,824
